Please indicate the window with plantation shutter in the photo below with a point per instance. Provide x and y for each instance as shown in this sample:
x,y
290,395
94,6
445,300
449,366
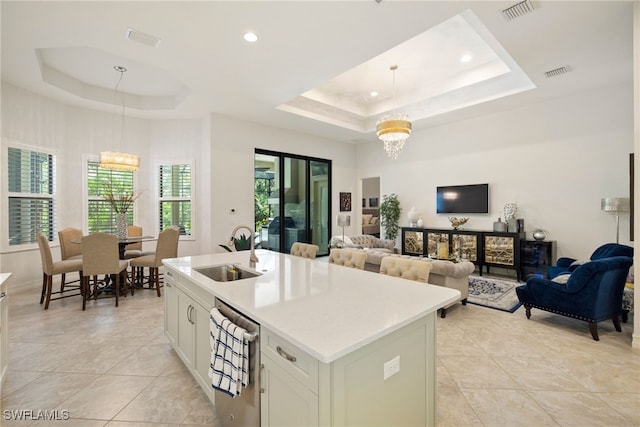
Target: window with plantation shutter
x,y
101,215
31,195
175,197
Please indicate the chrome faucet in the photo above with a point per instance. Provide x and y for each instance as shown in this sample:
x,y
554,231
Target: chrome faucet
x,y
252,258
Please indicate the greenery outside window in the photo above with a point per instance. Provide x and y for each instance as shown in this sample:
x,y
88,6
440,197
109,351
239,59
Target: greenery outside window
x,y
175,197
31,195
102,217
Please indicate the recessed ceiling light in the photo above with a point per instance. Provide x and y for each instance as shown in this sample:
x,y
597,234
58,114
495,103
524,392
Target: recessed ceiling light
x,y
374,93
250,37
465,58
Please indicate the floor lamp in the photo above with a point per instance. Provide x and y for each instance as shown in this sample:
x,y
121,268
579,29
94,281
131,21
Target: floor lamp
x,y
344,221
616,206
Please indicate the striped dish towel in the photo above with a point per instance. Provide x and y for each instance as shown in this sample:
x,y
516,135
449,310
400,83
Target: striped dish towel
x,y
229,367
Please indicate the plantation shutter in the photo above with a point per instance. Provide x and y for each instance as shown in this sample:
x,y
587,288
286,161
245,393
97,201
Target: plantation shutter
x,y
102,218
175,197
31,191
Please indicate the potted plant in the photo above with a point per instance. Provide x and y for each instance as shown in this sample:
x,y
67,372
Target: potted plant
x,y
390,215
121,202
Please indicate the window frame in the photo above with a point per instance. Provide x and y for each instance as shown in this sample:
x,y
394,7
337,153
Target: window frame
x,y
157,182
54,196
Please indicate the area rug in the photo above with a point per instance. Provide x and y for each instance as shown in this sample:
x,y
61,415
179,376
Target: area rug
x,y
493,293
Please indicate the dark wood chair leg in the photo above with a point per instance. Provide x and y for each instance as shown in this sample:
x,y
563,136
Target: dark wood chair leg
x,y
616,323
593,328
625,316
133,280
44,288
527,309
62,280
117,289
85,291
464,301
156,273
49,286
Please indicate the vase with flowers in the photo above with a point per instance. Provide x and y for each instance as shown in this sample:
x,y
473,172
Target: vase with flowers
x,y
121,202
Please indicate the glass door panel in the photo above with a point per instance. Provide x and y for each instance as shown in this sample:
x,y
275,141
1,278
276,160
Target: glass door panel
x,y
295,202
319,203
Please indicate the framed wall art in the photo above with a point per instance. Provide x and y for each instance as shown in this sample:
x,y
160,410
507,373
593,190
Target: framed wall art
x,y
345,202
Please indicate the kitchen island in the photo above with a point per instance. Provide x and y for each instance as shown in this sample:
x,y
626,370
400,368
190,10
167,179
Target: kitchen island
x,y
339,346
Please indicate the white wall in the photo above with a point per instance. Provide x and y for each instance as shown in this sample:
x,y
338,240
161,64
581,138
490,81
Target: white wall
x,y
233,146
556,160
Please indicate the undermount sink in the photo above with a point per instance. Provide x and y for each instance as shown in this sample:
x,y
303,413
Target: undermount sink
x,y
227,272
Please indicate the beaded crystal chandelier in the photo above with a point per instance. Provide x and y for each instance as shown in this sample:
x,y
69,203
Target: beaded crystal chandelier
x,y
393,128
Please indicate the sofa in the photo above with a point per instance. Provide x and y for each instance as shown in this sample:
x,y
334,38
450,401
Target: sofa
x,y
371,221
365,242
454,275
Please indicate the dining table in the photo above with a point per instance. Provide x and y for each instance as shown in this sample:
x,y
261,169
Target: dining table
x,y
124,241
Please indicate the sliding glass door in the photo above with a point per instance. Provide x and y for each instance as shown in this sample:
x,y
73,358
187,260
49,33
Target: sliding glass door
x,y
292,195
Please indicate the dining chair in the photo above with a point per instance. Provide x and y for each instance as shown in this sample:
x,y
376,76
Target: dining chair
x,y
304,250
166,247
70,248
133,250
347,258
50,268
100,255
411,269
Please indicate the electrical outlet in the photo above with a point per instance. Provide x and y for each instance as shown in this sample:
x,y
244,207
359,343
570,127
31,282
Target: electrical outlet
x,y
392,367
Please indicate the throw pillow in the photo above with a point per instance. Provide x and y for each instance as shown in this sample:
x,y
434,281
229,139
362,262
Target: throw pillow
x,y
366,218
561,279
374,220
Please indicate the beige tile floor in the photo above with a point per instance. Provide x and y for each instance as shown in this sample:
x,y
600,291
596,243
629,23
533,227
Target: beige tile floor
x,y
113,367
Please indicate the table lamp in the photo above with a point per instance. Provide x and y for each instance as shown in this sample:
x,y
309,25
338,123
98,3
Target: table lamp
x,y
344,221
616,206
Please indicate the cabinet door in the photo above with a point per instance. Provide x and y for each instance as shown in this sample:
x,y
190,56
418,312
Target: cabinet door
x,y
500,250
412,242
202,346
171,310
185,328
285,401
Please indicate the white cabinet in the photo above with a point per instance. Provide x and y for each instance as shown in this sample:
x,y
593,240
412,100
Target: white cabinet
x,y
187,327
4,336
285,400
289,383
353,390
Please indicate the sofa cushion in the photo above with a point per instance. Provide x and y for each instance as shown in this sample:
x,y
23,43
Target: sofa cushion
x,y
366,219
374,220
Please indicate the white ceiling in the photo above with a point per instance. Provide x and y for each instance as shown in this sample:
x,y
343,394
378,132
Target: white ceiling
x,y
316,58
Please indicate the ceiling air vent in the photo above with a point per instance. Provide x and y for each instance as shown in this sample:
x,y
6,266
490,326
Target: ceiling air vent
x,y
517,10
143,38
556,72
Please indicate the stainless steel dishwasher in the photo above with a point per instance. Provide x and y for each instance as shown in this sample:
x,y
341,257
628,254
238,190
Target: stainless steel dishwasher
x,y
242,410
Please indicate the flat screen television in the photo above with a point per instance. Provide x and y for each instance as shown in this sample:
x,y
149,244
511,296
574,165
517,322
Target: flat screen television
x,y
463,199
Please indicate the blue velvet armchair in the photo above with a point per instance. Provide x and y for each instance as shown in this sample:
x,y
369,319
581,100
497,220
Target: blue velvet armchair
x,y
593,293
565,265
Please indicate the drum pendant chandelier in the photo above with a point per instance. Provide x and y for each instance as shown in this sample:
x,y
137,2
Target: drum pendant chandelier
x,y
115,160
393,128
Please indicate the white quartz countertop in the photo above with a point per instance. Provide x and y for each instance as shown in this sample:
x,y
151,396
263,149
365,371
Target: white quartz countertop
x,y
325,309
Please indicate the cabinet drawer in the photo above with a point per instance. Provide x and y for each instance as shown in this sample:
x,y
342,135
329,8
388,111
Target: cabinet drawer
x,y
304,368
